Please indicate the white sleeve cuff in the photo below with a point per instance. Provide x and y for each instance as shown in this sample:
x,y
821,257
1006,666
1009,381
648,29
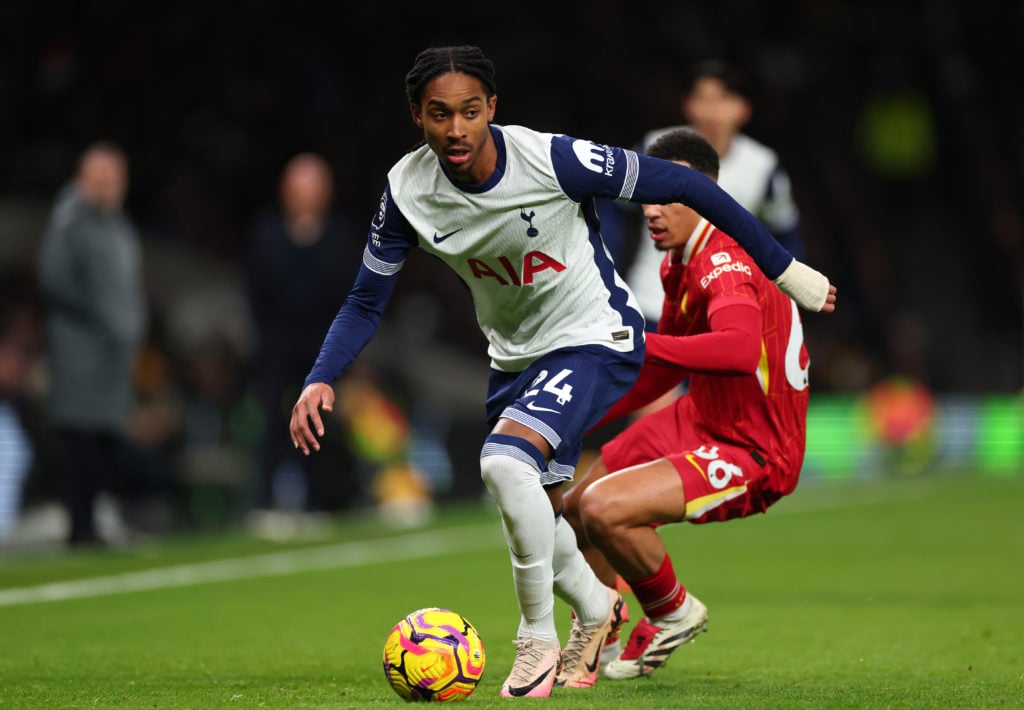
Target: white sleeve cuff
x,y
809,288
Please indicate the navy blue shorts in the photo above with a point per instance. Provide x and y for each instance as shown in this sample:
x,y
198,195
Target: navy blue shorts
x,y
562,395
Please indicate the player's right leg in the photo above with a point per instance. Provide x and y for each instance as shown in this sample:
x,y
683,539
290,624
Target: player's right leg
x,y
617,513
510,464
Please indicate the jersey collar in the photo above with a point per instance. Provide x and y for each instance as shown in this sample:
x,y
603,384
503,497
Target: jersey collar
x,y
697,241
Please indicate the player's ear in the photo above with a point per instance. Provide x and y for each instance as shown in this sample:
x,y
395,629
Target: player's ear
x,y
417,114
745,110
686,106
492,105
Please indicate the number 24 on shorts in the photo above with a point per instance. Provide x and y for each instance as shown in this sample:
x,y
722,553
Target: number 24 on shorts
x,y
563,393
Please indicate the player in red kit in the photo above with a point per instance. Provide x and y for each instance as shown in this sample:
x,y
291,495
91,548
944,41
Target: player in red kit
x,y
730,447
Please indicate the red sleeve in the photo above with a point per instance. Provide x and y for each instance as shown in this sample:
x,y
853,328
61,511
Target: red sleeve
x,y
733,347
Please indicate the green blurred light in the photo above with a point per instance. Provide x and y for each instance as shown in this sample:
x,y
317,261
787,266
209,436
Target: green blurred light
x,y
1000,449
836,439
842,445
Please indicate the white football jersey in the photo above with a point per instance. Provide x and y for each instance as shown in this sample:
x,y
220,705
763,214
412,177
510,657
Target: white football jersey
x,y
526,243
538,270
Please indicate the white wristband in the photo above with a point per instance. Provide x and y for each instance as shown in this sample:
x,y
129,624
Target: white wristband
x,y
809,288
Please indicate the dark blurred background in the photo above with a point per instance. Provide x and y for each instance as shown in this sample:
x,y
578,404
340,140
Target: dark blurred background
x,y
899,124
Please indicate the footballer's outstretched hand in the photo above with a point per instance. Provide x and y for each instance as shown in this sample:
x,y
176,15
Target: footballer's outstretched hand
x,y
830,300
306,412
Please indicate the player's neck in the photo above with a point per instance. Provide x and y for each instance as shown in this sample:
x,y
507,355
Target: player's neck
x,y
484,166
723,145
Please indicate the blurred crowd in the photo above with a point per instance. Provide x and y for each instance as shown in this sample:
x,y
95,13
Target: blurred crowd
x,y
255,142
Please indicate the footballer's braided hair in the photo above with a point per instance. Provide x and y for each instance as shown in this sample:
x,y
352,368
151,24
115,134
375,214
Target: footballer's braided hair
x,y
436,61
688,146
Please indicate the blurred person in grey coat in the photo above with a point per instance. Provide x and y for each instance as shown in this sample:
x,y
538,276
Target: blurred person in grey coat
x,y
91,282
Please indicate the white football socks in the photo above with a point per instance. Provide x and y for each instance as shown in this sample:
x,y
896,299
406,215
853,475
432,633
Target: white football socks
x,y
529,526
575,582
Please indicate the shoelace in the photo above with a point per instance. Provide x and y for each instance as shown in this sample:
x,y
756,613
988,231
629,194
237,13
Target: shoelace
x,y
573,650
527,654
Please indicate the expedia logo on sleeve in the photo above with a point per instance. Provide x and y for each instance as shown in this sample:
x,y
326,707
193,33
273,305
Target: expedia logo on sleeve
x,y
594,157
720,258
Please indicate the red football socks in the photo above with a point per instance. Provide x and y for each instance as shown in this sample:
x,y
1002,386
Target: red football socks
x,y
661,593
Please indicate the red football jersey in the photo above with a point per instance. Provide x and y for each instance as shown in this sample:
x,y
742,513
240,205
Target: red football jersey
x,y
767,410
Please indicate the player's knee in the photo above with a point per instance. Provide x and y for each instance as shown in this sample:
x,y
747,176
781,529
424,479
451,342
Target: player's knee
x,y
571,500
596,513
508,461
494,472
571,508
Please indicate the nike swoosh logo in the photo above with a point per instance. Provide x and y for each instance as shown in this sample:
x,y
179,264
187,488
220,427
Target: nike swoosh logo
x,y
591,667
520,692
438,240
535,408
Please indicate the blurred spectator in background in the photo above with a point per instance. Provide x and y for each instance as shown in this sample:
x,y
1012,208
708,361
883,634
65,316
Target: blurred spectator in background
x,y
301,258
91,280
21,428
716,103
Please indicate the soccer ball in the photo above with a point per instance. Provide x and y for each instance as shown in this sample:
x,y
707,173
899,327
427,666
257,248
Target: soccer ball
x,y
433,654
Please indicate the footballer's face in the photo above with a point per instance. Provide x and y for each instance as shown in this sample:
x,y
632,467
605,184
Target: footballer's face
x,y
455,113
715,112
671,226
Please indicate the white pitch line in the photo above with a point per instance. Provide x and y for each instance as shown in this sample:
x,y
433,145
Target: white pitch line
x,y
349,554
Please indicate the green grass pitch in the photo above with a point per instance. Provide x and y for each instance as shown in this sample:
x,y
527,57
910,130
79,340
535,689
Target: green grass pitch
x,y
886,594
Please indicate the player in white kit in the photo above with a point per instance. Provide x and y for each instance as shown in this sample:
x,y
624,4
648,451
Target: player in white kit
x,y
716,105
512,211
